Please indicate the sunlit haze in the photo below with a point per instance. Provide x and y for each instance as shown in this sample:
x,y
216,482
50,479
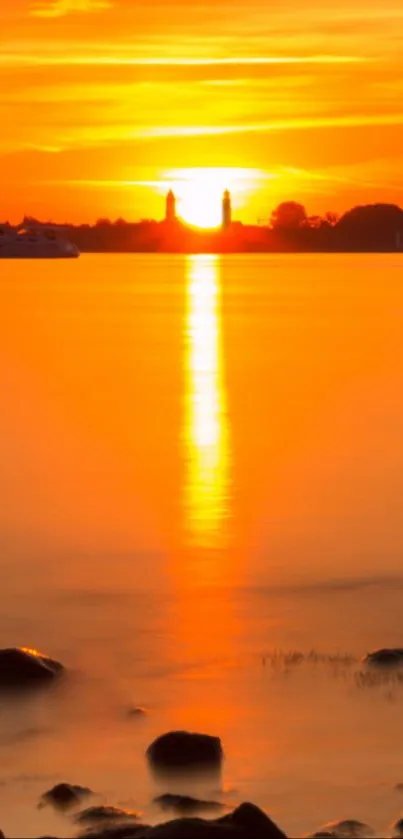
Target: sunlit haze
x,y
103,100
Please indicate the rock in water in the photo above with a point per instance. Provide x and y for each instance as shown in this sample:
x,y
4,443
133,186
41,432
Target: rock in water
x,y
398,828
185,803
101,814
346,829
21,667
116,831
64,796
246,822
136,711
181,750
385,657
253,821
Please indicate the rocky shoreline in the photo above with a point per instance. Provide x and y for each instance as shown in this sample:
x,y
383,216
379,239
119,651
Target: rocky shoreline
x,y
172,754
247,821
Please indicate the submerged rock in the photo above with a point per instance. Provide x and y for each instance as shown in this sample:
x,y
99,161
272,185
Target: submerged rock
x,y
101,814
345,829
116,831
64,796
21,667
182,750
246,822
398,828
185,803
385,657
136,711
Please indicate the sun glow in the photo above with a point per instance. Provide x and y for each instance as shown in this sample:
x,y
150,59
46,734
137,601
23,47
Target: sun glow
x,y
199,191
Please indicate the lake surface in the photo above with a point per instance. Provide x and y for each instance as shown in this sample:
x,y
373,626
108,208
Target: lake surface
x,y
201,475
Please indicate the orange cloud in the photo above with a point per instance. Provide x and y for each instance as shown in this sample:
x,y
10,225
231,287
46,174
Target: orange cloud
x,y
60,8
54,59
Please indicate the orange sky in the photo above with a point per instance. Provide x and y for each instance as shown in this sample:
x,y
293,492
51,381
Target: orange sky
x,y
102,100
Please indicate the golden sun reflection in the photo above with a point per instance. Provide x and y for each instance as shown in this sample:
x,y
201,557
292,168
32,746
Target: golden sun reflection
x,y
206,423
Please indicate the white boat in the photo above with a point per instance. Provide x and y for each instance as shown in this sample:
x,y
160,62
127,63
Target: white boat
x,y
34,244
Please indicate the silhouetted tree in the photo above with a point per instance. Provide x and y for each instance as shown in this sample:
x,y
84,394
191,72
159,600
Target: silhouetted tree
x,y
372,217
371,227
103,222
331,218
313,222
290,215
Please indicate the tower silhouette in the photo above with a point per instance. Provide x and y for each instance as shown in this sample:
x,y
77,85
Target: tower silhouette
x,y
170,206
226,210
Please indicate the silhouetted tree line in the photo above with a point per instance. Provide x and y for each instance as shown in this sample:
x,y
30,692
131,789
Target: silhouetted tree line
x,y
370,228
373,227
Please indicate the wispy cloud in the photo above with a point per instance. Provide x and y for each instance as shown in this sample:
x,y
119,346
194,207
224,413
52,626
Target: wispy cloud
x,y
275,125
111,135
60,59
60,8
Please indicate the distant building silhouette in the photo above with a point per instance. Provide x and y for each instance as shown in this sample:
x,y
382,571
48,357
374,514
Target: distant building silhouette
x,y
170,206
226,210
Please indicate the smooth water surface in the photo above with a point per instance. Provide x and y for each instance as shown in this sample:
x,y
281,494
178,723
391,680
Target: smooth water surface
x,y
202,474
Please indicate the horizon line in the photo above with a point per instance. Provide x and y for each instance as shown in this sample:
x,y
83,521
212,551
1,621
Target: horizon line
x,y
180,219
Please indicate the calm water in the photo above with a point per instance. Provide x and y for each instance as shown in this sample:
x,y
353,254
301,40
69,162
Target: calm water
x,y
202,464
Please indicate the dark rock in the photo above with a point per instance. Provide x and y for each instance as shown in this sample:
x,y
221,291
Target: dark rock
x,y
64,796
115,831
246,822
398,828
194,828
385,657
250,817
181,750
185,803
21,667
399,787
2,835
345,829
101,814
320,834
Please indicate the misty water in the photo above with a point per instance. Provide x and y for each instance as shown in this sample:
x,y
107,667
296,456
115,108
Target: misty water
x,y
201,494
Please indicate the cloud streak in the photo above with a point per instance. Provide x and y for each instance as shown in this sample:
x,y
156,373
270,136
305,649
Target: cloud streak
x,y
60,8
57,60
363,121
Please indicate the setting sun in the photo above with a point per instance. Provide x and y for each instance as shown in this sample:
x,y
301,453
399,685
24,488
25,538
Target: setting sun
x,y
199,203
200,190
